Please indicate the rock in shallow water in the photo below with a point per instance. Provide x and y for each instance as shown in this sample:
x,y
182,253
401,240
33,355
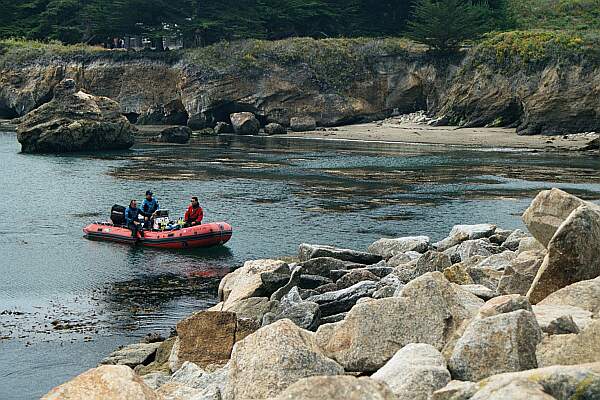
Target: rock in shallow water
x,y
75,121
176,134
244,123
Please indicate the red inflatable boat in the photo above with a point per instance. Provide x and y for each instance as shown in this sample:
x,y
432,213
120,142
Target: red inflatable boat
x,y
205,235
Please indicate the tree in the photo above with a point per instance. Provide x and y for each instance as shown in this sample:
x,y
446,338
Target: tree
x,y
444,25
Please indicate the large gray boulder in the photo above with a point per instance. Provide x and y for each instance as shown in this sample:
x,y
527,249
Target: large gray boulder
x,y
117,382
244,123
246,282
550,383
571,349
132,355
547,315
338,301
265,363
496,344
548,210
337,388
355,276
322,266
414,372
302,124
461,233
583,294
387,248
428,310
75,121
520,273
208,337
570,256
274,129
251,308
429,262
303,313
310,251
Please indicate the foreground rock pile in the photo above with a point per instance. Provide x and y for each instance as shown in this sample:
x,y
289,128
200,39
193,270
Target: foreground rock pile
x,y
485,313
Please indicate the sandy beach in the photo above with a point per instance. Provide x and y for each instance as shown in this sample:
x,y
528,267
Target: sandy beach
x,y
391,131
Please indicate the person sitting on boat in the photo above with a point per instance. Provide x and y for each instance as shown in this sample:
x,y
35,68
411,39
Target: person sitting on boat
x,y
131,219
194,214
149,207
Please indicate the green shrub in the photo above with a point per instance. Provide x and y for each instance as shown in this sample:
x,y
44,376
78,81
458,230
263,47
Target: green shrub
x,y
535,47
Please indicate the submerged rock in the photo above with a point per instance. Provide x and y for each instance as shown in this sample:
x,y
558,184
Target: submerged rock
x,y
75,121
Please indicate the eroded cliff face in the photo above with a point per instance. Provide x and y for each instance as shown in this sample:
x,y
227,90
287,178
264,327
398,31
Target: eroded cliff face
x,y
334,90
551,99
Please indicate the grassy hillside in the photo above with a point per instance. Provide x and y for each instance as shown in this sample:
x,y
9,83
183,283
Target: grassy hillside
x,y
555,14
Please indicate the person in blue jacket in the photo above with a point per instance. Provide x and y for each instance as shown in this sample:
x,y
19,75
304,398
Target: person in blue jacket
x,y
131,219
149,207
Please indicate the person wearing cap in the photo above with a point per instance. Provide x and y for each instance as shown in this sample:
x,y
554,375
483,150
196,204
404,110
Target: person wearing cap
x,y
194,213
149,207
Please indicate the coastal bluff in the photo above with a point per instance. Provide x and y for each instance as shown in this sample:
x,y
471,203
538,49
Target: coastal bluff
x,y
485,313
332,82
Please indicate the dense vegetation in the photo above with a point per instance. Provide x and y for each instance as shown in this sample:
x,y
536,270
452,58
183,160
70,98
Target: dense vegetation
x,y
202,22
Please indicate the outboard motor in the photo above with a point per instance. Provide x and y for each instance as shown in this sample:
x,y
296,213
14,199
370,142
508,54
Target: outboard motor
x,y
117,215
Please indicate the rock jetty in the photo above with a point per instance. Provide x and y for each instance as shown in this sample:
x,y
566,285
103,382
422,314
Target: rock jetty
x,y
485,313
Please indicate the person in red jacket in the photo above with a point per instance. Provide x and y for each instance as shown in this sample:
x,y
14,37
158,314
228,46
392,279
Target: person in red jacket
x,y
194,213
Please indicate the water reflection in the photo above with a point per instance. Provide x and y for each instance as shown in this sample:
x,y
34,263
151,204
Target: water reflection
x,y
276,192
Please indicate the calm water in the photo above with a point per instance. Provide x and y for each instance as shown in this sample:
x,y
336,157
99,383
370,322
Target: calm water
x,y
66,302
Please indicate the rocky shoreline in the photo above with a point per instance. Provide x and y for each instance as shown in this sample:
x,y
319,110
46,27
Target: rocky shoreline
x,y
485,313
331,82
